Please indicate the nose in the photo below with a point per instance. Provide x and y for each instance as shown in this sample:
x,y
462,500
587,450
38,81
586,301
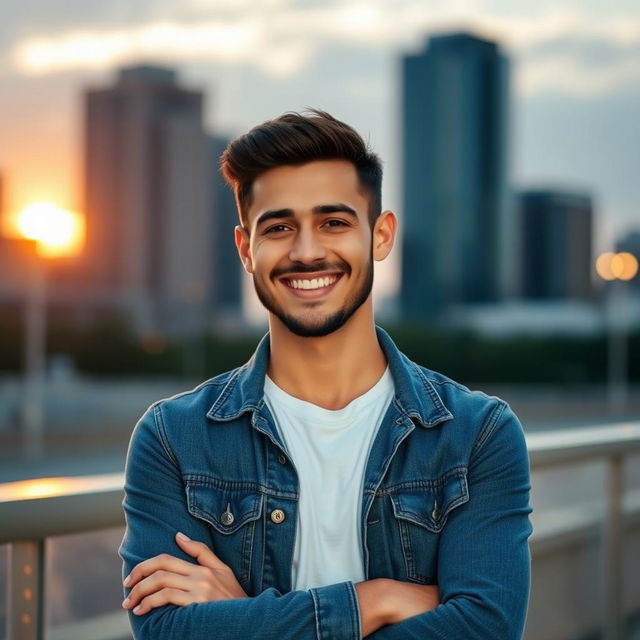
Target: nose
x,y
307,247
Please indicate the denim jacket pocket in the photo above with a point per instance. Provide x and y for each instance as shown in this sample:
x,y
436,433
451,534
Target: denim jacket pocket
x,y
232,514
421,510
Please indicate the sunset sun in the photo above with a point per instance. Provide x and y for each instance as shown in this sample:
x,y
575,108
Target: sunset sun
x,y
57,231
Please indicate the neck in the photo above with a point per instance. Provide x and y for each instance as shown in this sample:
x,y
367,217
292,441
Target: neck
x,y
332,370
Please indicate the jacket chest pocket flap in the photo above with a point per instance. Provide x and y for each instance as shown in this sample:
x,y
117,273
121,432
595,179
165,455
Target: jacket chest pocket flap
x,y
428,504
225,510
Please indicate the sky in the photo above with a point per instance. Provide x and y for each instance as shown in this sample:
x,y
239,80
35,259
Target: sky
x,y
575,81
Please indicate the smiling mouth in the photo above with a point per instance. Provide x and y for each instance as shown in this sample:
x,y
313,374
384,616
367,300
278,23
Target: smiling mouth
x,y
312,284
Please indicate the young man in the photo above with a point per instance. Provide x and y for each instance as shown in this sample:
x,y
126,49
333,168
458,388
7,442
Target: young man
x,y
330,488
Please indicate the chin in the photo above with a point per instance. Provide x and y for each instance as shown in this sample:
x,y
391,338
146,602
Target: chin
x,y
314,329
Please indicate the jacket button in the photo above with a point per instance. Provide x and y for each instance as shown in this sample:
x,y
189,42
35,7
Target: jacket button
x,y
282,459
227,518
277,516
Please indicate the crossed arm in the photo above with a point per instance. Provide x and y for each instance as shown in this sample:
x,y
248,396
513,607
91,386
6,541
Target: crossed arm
x,y
166,579
483,569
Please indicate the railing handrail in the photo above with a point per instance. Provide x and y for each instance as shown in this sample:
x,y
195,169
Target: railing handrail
x,y
561,446
43,507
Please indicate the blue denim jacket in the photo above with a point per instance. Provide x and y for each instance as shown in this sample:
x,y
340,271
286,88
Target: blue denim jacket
x,y
445,501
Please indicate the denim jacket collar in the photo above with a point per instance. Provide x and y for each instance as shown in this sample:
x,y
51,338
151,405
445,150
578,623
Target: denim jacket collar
x,y
415,394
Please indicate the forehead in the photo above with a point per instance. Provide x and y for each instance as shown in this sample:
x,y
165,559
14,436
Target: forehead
x,y
303,187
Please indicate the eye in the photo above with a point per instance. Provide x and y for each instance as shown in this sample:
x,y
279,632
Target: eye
x,y
276,228
336,223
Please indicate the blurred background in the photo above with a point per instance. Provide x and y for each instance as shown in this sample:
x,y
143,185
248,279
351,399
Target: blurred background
x,y
509,134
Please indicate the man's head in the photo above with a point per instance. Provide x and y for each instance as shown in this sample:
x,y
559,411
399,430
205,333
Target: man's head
x,y
308,194
295,139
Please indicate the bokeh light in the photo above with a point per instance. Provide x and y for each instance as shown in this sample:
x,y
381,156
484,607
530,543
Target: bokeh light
x,y
617,266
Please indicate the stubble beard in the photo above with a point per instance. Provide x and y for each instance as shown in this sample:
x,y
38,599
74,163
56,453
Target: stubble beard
x,y
323,326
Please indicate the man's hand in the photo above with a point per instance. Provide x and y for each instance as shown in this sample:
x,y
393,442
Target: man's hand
x,y
384,601
165,579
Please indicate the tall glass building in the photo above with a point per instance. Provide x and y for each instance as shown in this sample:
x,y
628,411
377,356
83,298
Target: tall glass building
x,y
456,219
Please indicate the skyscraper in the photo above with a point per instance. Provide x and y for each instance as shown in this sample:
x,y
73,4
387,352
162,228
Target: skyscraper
x,y
455,214
148,198
556,230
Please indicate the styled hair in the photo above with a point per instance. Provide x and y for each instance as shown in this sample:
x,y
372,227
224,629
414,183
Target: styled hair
x,y
295,139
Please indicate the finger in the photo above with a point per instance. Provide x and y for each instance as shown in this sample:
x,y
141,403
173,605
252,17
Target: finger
x,y
162,562
162,597
153,583
200,552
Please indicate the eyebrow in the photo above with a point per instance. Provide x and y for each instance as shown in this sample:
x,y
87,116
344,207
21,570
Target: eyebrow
x,y
338,207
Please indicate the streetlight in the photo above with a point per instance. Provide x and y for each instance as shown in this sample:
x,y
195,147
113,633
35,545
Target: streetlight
x,y
57,233
617,268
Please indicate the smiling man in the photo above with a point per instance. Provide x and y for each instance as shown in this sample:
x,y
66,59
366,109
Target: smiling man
x,y
330,488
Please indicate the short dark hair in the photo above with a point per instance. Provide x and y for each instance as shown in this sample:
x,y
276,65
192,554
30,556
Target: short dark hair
x,y
295,139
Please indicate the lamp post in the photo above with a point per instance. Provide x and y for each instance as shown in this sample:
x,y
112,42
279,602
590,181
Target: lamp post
x,y
617,268
57,233
34,360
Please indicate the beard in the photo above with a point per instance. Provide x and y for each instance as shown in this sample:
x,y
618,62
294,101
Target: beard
x,y
317,325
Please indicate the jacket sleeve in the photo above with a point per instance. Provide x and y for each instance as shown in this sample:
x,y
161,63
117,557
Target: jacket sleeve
x,y
483,558
156,509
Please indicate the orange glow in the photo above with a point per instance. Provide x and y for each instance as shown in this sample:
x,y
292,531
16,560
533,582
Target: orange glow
x,y
57,231
38,488
52,487
617,266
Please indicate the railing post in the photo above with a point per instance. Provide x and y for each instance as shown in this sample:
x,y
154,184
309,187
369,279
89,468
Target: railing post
x,y
613,545
25,613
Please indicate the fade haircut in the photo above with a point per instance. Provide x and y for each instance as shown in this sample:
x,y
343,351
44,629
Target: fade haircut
x,y
295,139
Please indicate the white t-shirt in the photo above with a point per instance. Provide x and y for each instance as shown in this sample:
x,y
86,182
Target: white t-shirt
x,y
329,450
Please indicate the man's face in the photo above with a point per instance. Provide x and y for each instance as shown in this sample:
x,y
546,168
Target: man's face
x,y
309,247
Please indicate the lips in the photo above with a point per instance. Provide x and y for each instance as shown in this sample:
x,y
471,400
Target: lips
x,y
311,286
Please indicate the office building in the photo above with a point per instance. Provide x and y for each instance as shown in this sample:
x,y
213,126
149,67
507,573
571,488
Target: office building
x,y
456,221
148,199
556,230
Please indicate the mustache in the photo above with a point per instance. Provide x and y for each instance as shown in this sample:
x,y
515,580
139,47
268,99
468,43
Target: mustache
x,y
301,267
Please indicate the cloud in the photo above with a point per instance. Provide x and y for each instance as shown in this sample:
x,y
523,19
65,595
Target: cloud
x,y
586,68
215,41
554,48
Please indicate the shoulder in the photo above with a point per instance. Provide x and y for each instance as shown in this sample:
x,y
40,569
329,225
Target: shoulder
x,y
194,402
174,423
473,411
457,396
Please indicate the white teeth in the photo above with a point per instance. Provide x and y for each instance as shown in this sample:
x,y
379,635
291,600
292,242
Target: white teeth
x,y
315,283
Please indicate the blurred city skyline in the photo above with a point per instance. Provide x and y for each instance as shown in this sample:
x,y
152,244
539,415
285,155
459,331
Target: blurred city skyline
x,y
575,86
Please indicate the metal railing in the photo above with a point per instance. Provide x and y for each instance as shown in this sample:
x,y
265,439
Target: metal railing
x,y
33,510
611,443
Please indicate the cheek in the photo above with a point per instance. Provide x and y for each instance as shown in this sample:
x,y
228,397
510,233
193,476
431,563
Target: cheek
x,y
264,258
355,249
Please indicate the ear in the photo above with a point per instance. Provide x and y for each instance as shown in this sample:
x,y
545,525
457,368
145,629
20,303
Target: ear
x,y
243,246
383,235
